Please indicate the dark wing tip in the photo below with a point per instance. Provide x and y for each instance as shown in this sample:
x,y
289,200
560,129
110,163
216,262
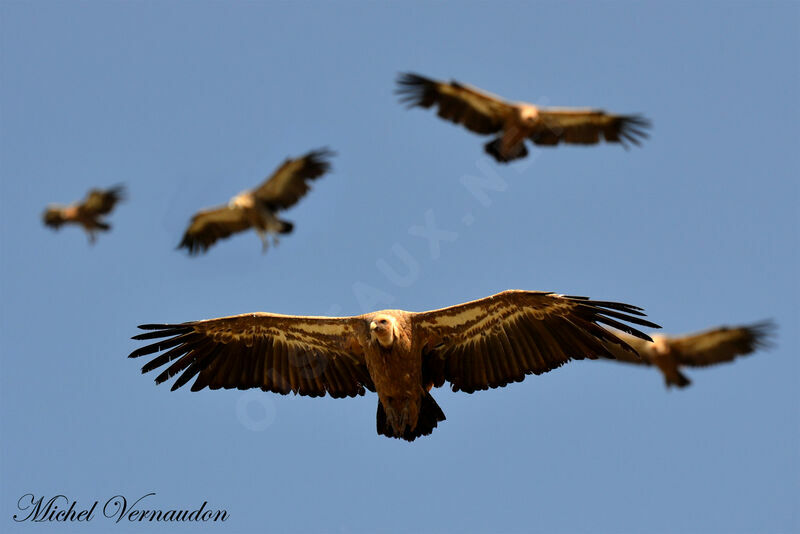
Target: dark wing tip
x,y
621,306
763,334
613,314
632,129
118,192
415,90
317,162
160,326
193,245
412,79
162,330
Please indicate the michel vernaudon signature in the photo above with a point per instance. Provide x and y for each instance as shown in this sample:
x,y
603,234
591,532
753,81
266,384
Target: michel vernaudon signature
x,y
61,509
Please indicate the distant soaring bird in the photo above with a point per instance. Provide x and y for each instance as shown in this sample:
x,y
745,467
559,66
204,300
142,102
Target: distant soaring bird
x,y
257,208
401,355
87,213
485,113
700,349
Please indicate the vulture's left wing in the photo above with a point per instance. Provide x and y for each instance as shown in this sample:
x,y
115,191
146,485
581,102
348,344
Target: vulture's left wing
x,y
477,110
496,340
102,201
721,344
588,127
289,183
210,225
279,353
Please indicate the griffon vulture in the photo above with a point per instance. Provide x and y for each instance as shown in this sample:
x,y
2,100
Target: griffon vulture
x,y
700,349
87,213
257,208
486,114
401,355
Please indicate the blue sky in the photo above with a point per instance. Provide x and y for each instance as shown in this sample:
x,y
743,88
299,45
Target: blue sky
x,y
190,103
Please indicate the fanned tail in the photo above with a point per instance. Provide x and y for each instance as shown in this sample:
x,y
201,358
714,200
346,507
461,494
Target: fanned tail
x,y
493,149
430,414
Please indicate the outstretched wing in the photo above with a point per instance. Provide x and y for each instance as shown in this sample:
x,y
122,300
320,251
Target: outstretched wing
x,y
588,127
496,340
722,344
102,201
289,183
280,353
478,111
210,225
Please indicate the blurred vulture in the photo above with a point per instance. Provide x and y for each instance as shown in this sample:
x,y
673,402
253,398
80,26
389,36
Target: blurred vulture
x,y
401,355
700,349
257,208
486,114
87,213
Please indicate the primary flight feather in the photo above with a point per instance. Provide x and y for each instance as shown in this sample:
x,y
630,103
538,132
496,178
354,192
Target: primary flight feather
x,y
257,208
486,114
486,343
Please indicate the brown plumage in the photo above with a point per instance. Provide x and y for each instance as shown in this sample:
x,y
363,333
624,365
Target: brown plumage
x,y
701,349
257,208
87,213
401,355
485,113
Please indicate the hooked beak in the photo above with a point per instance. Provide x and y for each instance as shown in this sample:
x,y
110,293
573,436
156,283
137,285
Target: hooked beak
x,y
373,326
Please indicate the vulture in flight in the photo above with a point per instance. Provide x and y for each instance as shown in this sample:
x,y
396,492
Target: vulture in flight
x,y
514,122
701,349
88,213
257,208
400,355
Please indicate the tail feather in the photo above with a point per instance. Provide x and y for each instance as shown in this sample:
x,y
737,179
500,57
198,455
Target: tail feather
x,y
493,149
286,227
430,414
677,379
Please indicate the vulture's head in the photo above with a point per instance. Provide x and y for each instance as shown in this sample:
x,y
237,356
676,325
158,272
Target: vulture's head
x,y
53,217
661,345
528,114
382,329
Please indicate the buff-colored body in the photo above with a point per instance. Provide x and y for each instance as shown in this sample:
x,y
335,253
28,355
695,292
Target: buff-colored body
x,y
518,127
88,221
261,219
664,359
396,367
